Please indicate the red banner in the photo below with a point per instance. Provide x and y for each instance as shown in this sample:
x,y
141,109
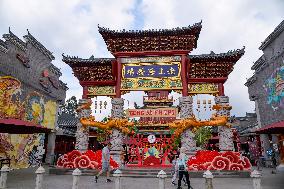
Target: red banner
x,y
160,112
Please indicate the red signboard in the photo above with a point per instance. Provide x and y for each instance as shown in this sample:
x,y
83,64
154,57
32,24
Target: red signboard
x,y
160,112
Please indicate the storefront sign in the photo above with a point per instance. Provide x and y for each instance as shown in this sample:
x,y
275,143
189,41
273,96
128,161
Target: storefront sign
x,y
161,112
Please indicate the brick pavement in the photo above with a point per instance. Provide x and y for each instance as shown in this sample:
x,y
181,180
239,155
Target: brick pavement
x,y
25,179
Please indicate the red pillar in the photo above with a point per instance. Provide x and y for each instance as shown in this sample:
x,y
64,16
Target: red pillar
x,y
184,61
85,92
118,80
221,89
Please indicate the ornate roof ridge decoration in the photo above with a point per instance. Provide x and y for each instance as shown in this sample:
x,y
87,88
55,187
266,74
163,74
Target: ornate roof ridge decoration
x,y
106,32
63,85
15,40
38,45
184,38
259,63
272,36
55,70
250,80
231,54
3,46
76,61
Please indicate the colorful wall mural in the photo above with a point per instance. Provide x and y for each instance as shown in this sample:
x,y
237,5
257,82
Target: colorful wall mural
x,y
10,108
24,150
274,87
33,108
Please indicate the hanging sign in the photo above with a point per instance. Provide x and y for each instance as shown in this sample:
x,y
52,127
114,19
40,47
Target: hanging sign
x,y
148,73
160,112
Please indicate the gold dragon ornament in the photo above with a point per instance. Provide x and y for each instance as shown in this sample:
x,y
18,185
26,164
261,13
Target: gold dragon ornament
x,y
121,124
181,125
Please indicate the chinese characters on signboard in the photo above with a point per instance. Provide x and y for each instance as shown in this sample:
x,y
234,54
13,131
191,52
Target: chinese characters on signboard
x,y
161,112
151,73
151,70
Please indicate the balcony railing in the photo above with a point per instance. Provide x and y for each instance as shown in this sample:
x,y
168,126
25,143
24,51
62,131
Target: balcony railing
x,y
157,99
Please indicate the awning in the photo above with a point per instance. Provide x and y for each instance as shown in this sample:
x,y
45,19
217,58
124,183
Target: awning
x,y
17,126
275,128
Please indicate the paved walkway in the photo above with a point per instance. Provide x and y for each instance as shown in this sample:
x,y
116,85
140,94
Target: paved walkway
x,y
25,179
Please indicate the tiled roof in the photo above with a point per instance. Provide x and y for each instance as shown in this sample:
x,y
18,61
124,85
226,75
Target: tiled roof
x,y
15,40
184,38
232,55
279,29
38,45
3,46
67,120
76,61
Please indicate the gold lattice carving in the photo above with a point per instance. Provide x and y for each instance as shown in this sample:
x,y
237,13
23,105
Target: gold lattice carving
x,y
101,91
203,88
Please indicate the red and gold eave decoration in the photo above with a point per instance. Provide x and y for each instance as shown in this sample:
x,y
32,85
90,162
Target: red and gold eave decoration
x,y
86,160
213,160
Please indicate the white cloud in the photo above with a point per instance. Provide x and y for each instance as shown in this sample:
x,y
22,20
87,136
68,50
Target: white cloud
x,y
70,26
226,25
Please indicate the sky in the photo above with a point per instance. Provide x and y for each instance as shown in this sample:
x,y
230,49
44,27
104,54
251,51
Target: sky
x,y
70,27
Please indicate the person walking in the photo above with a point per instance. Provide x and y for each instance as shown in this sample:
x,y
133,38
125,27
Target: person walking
x,y
182,168
175,172
105,163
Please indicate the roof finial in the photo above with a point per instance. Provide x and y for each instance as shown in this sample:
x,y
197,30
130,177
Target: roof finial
x,y
9,29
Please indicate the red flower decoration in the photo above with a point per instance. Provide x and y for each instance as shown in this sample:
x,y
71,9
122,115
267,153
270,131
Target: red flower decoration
x,y
61,160
245,162
73,154
236,167
151,160
69,165
234,157
82,162
221,163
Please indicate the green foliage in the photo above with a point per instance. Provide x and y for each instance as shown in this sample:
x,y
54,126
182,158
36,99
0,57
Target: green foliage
x,y
70,106
202,135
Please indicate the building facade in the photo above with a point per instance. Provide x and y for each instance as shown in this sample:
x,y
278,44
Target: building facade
x,y
30,94
266,89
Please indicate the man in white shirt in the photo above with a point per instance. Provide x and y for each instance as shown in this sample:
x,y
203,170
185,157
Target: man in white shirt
x,y
105,163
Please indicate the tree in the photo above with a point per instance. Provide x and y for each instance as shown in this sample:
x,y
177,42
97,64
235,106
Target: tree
x,y
202,136
70,106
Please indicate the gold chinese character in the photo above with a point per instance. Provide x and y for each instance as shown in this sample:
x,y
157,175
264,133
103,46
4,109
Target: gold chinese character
x,y
161,71
130,71
172,71
141,71
151,71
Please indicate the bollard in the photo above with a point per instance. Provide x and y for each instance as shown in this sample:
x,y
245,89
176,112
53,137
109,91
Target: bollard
x,y
256,178
39,177
208,179
4,173
162,176
76,175
117,174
